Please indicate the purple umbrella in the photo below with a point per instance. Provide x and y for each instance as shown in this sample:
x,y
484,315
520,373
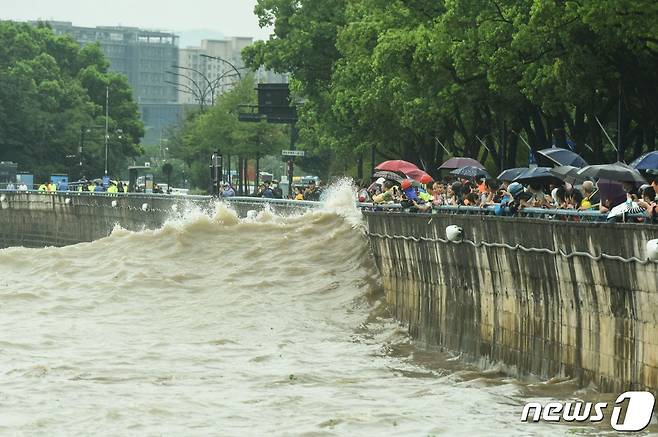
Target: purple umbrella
x,y
611,192
459,162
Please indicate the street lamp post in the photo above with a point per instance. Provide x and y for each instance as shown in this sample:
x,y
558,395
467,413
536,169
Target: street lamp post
x,y
107,120
200,90
87,129
237,71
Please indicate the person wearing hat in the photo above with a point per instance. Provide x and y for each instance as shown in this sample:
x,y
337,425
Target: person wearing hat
x,y
509,203
227,190
410,198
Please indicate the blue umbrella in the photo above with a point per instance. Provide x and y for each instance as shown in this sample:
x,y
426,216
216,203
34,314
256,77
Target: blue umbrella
x,y
647,161
511,173
558,156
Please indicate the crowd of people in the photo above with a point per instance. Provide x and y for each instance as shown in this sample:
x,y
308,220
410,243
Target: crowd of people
x,y
95,186
272,190
507,198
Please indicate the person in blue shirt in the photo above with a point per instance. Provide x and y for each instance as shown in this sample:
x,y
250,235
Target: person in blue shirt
x,y
509,204
228,191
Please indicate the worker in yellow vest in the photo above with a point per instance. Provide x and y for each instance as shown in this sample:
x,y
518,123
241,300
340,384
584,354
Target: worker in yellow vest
x,y
91,187
43,187
52,187
112,188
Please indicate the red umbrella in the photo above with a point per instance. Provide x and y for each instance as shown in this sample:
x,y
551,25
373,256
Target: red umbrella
x,y
426,179
397,165
404,167
455,163
419,175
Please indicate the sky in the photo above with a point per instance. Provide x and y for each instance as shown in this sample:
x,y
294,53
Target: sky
x,y
216,17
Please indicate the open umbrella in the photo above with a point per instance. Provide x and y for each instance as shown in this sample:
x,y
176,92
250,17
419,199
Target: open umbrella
x,y
612,193
559,156
646,161
418,175
625,208
397,165
405,168
539,175
616,172
391,176
511,173
568,173
459,162
470,172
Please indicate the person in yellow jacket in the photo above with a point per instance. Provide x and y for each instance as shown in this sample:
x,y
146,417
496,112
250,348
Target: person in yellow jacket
x,y
112,189
91,187
52,187
43,187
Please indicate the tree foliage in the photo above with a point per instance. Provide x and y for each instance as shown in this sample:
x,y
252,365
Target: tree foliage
x,y
202,133
50,88
421,79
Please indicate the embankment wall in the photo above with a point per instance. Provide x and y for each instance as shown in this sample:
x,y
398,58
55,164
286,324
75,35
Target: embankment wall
x,y
34,219
548,311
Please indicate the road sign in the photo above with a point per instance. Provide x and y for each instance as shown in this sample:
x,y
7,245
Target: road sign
x,y
292,153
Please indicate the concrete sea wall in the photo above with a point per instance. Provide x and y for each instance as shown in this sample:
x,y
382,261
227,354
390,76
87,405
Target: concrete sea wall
x,y
33,219
534,294
549,311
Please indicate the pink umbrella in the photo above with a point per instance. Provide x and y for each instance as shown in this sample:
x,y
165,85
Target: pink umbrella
x,y
406,168
397,165
459,162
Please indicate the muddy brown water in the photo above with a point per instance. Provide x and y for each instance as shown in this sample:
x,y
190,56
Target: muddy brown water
x,y
215,325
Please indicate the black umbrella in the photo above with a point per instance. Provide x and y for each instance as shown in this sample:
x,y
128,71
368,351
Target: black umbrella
x,y
540,175
559,156
511,173
615,172
470,172
568,173
390,175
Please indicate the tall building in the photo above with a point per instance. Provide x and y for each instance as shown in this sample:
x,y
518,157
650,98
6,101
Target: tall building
x,y
207,71
144,56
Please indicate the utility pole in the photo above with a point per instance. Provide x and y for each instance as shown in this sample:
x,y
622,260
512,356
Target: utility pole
x,y
620,150
107,114
82,143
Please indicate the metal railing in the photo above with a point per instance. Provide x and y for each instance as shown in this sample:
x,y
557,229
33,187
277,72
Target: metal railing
x,y
393,208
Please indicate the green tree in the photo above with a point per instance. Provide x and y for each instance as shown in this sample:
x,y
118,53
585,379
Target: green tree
x,y
424,79
200,134
49,89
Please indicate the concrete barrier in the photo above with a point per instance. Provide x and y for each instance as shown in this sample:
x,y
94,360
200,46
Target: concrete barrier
x,y
538,296
37,219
